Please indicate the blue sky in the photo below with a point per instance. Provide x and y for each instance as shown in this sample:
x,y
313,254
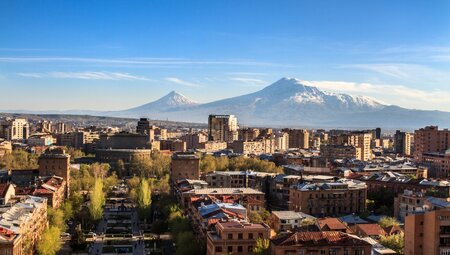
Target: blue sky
x,y
108,55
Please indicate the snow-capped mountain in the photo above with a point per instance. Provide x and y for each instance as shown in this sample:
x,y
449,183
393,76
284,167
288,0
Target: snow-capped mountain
x,y
291,102
173,101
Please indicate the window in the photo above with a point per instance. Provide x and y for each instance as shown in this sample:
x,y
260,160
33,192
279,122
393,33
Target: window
x,y
250,236
218,249
239,249
230,236
230,248
359,252
240,236
322,252
250,249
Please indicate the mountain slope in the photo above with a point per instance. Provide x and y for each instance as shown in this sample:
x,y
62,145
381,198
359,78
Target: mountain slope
x,y
173,101
289,102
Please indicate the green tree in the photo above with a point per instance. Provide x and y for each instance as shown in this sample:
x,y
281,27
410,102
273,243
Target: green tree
x,y
144,198
262,246
78,241
386,222
50,243
120,168
394,242
19,159
186,244
97,200
56,218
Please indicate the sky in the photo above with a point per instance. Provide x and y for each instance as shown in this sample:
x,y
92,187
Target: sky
x,y
112,55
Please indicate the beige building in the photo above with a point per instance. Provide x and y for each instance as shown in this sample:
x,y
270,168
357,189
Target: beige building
x,y
360,140
222,128
298,138
14,129
27,218
235,237
428,233
260,146
248,134
332,152
281,141
212,146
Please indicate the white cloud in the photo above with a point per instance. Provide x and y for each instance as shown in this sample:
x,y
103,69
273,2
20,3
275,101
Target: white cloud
x,y
88,75
182,82
137,61
390,94
249,81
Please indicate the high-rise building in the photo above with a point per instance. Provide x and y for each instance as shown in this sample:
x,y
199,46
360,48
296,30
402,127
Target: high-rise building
x,y
222,128
402,143
377,133
430,139
358,139
60,128
144,128
14,129
298,138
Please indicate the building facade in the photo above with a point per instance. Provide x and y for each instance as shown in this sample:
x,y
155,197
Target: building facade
x,y
222,128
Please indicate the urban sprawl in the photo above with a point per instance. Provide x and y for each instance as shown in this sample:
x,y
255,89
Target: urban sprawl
x,y
223,189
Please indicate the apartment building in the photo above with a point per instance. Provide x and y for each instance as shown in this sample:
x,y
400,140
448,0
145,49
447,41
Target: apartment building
x,y
27,218
238,179
358,139
428,233
222,128
234,237
333,151
430,140
14,129
298,138
402,143
328,198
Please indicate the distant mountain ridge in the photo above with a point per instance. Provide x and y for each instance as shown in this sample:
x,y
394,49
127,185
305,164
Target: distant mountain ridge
x,y
289,102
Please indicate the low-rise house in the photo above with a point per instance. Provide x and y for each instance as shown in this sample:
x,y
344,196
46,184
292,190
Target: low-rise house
x,y
320,242
333,224
7,191
282,221
374,231
377,248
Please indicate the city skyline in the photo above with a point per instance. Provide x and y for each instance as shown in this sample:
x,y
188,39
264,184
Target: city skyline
x,y
397,53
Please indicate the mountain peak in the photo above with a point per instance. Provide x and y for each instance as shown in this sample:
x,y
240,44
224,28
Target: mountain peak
x,y
175,98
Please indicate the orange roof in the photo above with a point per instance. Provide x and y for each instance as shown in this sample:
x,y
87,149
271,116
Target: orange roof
x,y
323,238
332,223
371,229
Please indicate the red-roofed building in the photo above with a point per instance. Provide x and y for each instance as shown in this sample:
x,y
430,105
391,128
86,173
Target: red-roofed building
x,y
10,242
233,237
53,188
333,224
320,242
374,231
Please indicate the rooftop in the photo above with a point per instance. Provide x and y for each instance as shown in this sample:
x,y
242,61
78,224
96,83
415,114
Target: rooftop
x,y
223,191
